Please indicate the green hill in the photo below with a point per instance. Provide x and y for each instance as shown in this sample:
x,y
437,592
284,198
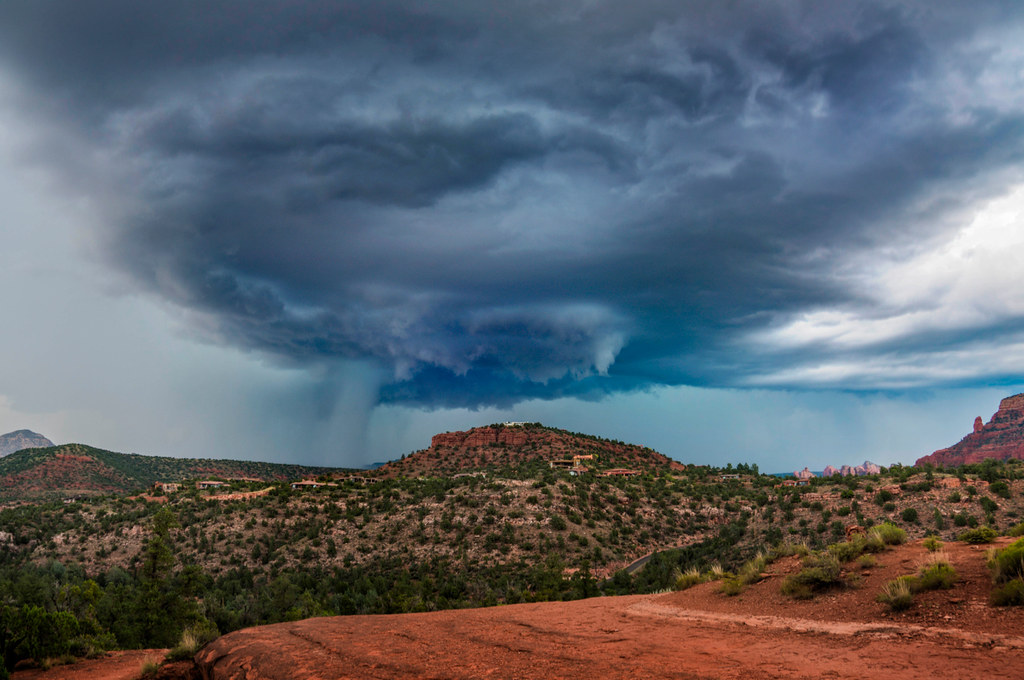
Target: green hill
x,y
77,469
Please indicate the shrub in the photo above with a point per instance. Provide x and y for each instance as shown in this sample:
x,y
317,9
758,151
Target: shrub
x,y
932,544
731,586
979,535
857,546
867,561
1008,564
1010,594
937,574
898,593
909,515
820,572
999,488
1016,530
889,534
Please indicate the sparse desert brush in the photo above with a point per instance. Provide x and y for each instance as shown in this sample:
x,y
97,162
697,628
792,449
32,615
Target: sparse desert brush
x,y
847,551
889,534
688,579
898,593
149,669
936,573
978,536
1008,564
932,544
192,640
867,561
1016,530
820,572
751,570
731,586
716,571
787,549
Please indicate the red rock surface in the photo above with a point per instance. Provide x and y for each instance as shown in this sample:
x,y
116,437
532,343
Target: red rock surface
x,y
498,445
695,634
1001,438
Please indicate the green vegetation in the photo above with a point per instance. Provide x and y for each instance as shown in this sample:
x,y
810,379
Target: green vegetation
x,y
820,572
112,571
978,536
1007,566
937,573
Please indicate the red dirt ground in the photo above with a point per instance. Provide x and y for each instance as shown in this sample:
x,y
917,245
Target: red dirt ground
x,y
698,634
110,666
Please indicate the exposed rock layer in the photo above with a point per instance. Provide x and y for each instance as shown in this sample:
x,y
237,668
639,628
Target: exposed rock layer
x,y
1002,438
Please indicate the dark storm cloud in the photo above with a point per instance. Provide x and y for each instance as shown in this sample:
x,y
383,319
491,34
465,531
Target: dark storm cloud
x,y
501,202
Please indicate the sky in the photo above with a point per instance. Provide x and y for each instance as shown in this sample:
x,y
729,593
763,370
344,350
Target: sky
x,y
774,232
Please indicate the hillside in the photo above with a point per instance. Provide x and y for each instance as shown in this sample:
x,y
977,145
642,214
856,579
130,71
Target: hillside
x,y
74,470
504,445
1001,438
700,632
21,439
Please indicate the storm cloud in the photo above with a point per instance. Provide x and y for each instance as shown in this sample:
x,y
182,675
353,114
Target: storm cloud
x,y
499,202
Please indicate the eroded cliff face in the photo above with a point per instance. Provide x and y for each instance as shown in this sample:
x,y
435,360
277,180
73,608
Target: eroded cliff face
x,y
1002,437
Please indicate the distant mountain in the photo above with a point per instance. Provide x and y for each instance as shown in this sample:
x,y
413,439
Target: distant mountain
x,y
1002,437
80,470
503,445
22,439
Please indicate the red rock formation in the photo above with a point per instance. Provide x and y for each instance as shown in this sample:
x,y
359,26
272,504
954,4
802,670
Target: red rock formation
x,y
1001,438
515,443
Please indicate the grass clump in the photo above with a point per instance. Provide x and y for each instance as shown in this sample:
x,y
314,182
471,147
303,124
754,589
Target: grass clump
x,y
192,640
932,544
888,533
867,561
820,571
689,579
149,669
898,593
936,574
850,550
979,535
1016,530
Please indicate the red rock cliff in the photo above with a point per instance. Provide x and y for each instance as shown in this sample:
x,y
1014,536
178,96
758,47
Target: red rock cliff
x,y
1001,438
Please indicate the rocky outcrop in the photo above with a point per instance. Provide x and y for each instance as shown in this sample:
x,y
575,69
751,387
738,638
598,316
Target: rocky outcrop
x,y
510,444
22,439
483,436
1002,437
866,468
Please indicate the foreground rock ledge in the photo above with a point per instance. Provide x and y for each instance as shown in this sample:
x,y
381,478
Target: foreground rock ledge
x,y
640,636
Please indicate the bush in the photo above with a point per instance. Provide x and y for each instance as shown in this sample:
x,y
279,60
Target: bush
x,y
857,546
979,535
1016,530
889,534
867,561
932,544
909,515
820,572
999,488
1010,594
731,586
939,574
1008,564
898,593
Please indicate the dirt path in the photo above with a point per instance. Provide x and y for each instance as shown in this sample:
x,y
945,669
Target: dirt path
x,y
623,637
